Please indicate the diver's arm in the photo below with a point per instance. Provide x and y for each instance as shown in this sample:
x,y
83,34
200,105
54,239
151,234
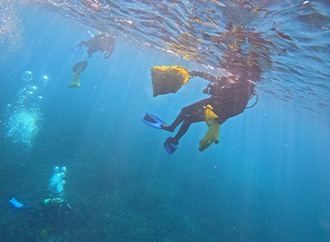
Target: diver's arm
x,y
81,43
205,75
78,46
111,47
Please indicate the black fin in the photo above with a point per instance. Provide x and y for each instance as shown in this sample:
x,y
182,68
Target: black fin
x,y
79,64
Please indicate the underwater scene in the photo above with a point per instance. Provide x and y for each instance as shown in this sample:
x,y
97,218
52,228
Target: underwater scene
x,y
164,120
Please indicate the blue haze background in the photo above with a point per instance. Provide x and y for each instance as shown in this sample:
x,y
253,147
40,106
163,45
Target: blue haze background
x,y
267,179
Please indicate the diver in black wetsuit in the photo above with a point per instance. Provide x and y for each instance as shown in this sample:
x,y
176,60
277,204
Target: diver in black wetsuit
x,y
229,98
102,42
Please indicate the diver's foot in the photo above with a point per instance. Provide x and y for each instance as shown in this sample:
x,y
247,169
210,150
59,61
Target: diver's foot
x,y
171,144
166,127
172,141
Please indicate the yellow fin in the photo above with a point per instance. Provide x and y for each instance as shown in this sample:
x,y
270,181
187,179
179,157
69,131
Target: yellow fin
x,y
168,79
78,69
212,135
75,80
44,233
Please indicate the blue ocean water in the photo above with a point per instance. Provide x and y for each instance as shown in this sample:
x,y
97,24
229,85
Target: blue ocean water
x,y
266,180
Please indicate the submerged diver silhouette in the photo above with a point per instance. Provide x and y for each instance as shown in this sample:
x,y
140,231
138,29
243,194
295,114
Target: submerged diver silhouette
x,y
229,97
102,42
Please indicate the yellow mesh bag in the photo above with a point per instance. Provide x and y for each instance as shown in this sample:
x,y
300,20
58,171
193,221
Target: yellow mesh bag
x,y
168,79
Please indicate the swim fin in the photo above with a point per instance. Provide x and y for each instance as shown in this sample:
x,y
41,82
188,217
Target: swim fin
x,y
212,135
78,69
76,49
16,203
152,121
170,148
91,34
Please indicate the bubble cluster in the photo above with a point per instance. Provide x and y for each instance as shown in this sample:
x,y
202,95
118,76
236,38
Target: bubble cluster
x,y
23,126
24,117
57,181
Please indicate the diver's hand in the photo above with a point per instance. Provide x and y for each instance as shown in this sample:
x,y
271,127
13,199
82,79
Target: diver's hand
x,y
206,90
107,55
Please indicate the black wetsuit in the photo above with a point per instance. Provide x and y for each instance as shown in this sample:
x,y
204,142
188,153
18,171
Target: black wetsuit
x,y
228,99
102,42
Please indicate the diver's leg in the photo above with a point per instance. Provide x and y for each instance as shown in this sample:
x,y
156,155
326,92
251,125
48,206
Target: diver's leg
x,y
89,53
81,43
179,119
196,108
184,128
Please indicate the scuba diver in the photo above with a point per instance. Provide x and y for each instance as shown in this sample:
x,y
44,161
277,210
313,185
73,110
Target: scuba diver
x,y
49,205
229,98
52,211
102,42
